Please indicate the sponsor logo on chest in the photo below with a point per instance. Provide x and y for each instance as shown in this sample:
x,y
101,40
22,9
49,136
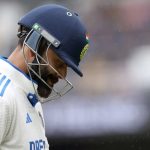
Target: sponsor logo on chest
x,y
37,145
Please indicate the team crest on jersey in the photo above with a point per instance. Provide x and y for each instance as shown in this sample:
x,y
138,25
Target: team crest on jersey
x,y
84,50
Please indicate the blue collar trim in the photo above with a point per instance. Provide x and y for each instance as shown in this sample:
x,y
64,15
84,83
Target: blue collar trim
x,y
5,59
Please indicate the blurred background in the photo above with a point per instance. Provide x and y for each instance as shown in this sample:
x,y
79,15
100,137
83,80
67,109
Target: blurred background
x,y
109,108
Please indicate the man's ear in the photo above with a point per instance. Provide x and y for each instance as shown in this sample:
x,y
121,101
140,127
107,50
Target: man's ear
x,y
29,54
32,55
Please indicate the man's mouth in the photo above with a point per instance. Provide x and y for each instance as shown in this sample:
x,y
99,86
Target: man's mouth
x,y
45,90
52,79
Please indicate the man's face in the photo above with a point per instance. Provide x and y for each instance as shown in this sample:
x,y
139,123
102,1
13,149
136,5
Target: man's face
x,y
49,75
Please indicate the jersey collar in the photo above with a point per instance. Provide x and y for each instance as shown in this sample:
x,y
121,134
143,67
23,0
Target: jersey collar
x,y
17,76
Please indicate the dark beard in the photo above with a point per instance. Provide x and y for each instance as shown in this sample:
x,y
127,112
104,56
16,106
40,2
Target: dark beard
x,y
42,89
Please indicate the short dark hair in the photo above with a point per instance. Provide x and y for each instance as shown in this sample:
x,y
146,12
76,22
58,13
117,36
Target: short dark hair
x,y
23,32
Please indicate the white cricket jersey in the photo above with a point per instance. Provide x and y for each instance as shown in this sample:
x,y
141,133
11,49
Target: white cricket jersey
x,y
21,117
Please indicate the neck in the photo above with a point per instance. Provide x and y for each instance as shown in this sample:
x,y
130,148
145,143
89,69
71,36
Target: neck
x,y
17,59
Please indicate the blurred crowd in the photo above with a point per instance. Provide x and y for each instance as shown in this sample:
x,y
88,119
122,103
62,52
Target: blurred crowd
x,y
116,67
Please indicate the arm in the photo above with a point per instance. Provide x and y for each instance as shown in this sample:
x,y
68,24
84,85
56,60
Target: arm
x,y
5,119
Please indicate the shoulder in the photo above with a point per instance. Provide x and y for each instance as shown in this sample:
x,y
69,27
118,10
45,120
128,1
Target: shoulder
x,y
4,84
7,92
6,103
7,100
8,88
